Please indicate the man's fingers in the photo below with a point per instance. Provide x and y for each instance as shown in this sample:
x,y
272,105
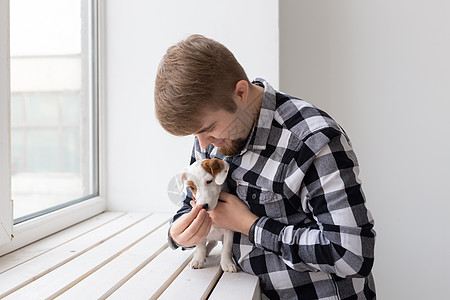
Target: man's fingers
x,y
196,231
196,225
185,221
205,228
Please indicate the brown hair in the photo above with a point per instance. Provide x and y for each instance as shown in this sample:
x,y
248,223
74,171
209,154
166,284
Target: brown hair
x,y
196,75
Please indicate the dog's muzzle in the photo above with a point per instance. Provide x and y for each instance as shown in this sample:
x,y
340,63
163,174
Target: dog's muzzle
x,y
205,206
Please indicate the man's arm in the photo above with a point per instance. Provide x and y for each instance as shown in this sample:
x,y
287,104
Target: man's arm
x,y
342,240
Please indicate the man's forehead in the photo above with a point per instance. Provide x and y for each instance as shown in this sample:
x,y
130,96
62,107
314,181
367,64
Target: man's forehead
x,y
207,128
211,118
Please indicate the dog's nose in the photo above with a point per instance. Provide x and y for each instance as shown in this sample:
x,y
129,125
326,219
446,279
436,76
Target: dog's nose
x,y
205,206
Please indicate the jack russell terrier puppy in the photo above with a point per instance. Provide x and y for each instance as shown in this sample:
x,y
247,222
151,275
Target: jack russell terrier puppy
x,y
206,178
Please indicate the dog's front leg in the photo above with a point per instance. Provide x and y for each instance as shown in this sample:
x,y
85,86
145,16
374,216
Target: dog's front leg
x,y
226,255
199,256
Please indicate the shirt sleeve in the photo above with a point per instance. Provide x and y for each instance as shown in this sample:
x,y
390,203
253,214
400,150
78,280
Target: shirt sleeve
x,y
322,180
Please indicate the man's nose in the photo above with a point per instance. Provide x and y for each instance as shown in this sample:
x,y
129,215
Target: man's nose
x,y
204,140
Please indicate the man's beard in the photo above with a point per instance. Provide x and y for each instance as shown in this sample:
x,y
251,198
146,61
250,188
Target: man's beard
x,y
235,147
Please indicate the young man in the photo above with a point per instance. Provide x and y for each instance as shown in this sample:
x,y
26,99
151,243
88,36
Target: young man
x,y
295,202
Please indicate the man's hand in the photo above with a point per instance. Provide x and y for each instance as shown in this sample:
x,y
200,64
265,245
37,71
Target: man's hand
x,y
191,228
232,213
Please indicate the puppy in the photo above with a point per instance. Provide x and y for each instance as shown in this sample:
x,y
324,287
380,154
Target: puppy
x,y
206,178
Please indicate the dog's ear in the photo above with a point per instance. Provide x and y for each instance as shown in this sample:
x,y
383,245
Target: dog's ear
x,y
176,187
217,168
179,181
221,177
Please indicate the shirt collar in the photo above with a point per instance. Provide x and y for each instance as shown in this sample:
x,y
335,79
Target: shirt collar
x,y
261,130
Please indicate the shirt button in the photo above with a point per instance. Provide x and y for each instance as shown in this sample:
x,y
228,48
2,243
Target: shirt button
x,y
253,196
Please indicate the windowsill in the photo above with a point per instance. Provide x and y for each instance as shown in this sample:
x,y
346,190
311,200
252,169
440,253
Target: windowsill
x,y
29,231
121,256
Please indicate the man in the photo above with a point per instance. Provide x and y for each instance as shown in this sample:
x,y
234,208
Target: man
x,y
295,202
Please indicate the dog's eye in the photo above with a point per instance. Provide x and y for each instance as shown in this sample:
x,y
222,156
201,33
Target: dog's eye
x,y
209,181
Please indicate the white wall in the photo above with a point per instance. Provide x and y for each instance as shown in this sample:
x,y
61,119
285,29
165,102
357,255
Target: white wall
x,y
141,157
382,69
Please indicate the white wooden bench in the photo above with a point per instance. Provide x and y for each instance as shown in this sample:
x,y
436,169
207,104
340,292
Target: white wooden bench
x,y
117,256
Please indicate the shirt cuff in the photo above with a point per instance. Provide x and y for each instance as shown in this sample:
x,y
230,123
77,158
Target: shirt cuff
x,y
267,233
251,233
170,241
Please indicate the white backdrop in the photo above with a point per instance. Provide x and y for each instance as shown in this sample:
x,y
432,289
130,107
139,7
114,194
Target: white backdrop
x,y
141,157
382,69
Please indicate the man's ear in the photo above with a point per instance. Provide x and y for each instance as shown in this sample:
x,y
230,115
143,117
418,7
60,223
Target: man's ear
x,y
241,91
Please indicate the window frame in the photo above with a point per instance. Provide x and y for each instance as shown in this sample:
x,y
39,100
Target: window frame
x,y
6,217
13,236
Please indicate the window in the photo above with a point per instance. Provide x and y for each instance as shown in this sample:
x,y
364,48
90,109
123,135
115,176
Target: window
x,y
52,98
6,220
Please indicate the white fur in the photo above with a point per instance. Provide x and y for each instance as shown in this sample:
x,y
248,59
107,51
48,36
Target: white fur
x,y
208,190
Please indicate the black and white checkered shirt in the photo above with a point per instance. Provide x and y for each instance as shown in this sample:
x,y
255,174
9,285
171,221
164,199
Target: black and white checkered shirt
x,y
314,238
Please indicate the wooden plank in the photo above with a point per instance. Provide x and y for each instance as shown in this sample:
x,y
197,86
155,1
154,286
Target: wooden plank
x,y
66,276
109,278
25,273
237,286
31,251
196,283
155,277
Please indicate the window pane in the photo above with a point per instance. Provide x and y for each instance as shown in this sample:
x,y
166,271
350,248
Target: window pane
x,y
43,109
52,105
17,110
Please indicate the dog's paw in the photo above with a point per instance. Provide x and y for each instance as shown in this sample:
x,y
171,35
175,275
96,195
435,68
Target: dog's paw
x,y
197,263
228,266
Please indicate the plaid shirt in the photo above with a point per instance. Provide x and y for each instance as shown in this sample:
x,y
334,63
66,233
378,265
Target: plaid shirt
x,y
314,238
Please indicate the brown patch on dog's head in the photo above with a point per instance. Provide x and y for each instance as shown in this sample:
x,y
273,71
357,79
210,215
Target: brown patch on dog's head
x,y
213,166
192,187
